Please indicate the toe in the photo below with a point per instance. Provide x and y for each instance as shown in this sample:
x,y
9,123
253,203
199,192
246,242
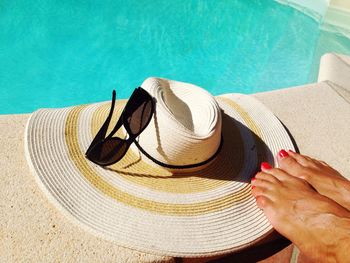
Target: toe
x,y
292,163
259,187
267,177
259,182
303,160
278,175
262,187
263,202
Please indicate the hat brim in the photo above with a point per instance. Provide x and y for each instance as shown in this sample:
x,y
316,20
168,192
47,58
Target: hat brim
x,y
142,206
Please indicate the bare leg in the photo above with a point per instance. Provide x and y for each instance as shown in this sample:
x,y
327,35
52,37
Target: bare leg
x,y
320,175
317,225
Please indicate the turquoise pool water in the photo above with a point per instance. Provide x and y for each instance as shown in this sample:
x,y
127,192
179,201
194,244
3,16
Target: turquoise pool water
x,y
67,52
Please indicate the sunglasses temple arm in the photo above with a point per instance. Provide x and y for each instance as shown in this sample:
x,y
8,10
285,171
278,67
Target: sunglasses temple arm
x,y
102,132
120,121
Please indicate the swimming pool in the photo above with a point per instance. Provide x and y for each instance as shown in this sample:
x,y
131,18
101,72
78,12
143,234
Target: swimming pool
x,y
61,53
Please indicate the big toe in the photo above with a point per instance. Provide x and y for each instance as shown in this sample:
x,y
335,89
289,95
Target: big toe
x,y
290,165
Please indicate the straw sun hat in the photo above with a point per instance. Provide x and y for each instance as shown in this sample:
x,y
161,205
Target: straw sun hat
x,y
136,203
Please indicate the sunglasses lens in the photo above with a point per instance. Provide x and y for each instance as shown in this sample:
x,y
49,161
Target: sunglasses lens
x,y
108,151
138,112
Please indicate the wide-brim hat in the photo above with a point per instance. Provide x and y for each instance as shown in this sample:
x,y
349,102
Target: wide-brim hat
x,y
138,204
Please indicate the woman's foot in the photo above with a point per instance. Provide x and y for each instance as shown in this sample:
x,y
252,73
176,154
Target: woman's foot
x,y
320,175
319,226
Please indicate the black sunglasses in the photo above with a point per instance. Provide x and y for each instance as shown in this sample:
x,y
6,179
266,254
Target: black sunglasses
x,y
135,117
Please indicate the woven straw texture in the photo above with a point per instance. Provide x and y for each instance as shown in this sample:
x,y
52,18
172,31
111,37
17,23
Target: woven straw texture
x,y
145,207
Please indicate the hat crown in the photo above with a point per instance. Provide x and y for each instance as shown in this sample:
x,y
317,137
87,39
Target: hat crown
x,y
186,126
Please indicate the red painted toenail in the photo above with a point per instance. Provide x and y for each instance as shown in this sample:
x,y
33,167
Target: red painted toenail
x,y
283,153
265,166
253,186
253,179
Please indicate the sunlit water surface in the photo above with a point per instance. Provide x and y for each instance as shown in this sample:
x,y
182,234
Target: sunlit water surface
x,y
68,52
